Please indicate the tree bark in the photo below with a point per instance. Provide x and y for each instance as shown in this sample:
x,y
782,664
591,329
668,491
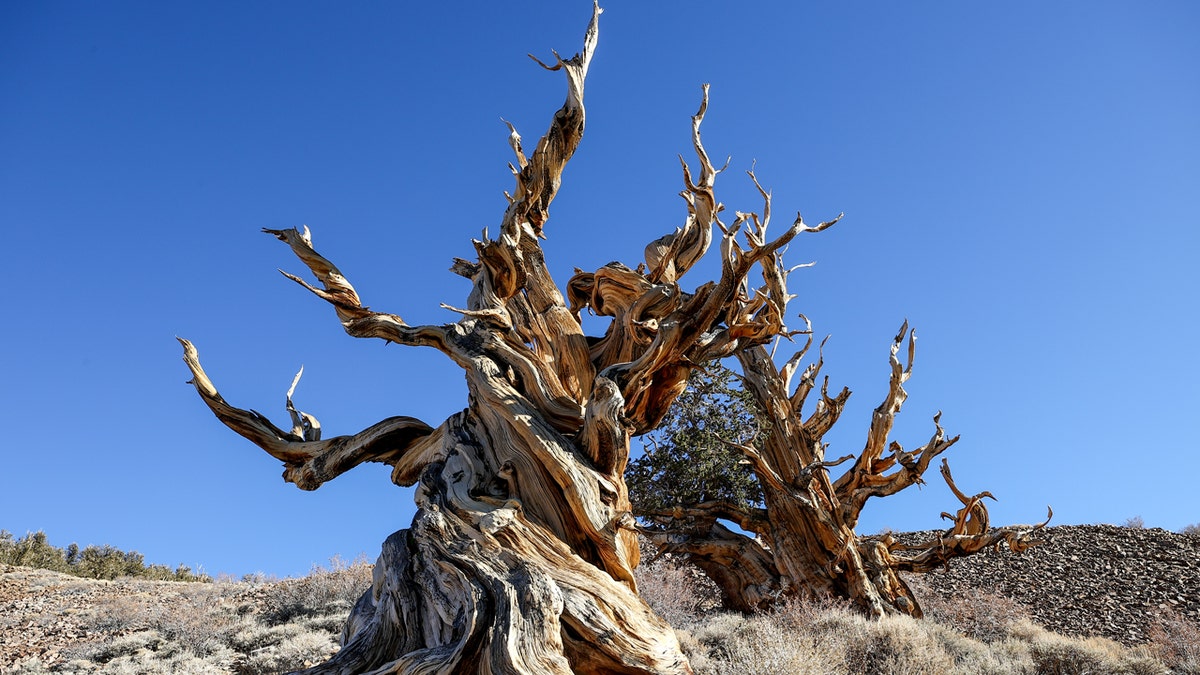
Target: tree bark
x,y
521,554
804,541
520,557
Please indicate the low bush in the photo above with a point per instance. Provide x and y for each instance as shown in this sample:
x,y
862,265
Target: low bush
x,y
302,650
1055,654
672,590
978,615
326,590
1176,642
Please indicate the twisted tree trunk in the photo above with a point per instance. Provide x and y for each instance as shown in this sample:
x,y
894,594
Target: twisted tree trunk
x,y
520,557
802,540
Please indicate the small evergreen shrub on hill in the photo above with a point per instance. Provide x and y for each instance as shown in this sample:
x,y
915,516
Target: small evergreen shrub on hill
x,y
92,562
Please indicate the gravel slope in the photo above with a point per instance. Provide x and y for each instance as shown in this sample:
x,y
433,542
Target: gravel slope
x,y
1087,579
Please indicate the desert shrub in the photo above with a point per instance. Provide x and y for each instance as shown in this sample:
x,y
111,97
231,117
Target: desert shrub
x,y
978,614
973,657
164,663
1192,530
891,645
158,573
298,651
144,653
758,645
254,636
326,590
327,623
121,614
185,573
832,638
258,578
1055,654
123,645
1176,642
799,614
1134,523
199,624
781,641
672,590
108,562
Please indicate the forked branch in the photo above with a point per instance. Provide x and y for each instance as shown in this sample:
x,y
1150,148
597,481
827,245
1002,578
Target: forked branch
x,y
359,321
400,442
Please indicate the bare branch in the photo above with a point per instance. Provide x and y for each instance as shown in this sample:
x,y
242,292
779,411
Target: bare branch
x,y
396,441
884,416
705,513
669,257
856,487
357,320
972,518
938,552
514,141
304,426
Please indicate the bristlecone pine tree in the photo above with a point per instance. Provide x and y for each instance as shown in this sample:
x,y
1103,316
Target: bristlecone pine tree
x,y
520,557
797,526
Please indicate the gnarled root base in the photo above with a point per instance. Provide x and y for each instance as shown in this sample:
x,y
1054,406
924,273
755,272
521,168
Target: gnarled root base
x,y
473,587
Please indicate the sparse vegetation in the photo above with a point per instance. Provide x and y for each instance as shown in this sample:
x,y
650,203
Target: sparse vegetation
x,y
985,634
225,627
257,627
92,562
325,591
1134,523
1176,642
1192,530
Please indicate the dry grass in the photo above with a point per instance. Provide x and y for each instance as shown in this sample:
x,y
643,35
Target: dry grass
x,y
983,616
979,635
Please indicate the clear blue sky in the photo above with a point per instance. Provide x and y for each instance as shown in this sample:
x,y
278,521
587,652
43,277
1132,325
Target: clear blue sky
x,y
1020,180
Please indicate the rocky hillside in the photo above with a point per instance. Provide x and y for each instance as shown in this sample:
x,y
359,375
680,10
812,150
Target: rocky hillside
x,y
1087,579
53,622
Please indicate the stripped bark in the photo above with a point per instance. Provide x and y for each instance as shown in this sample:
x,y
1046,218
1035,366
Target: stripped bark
x,y
521,554
520,557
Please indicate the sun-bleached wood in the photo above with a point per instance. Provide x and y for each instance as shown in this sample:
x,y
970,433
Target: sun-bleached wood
x,y
521,554
520,557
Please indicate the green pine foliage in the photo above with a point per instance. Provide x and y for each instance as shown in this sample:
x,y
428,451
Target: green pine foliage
x,y
686,459
92,562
